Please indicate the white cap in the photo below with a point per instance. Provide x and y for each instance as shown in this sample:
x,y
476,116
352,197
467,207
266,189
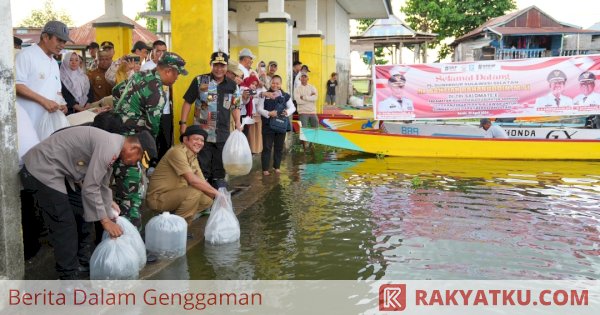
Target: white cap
x,y
395,71
246,53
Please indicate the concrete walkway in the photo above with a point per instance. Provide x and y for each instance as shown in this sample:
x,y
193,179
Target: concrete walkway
x,y
246,190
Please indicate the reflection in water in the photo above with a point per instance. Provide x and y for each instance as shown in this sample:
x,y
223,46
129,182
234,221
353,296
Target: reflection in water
x,y
358,217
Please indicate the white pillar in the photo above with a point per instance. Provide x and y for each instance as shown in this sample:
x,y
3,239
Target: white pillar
x,y
276,6
220,26
311,18
275,9
11,242
113,12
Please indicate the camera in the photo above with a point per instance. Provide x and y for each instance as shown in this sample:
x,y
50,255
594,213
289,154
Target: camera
x,y
251,92
133,58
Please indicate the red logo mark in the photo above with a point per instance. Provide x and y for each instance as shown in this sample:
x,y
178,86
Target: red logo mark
x,y
392,297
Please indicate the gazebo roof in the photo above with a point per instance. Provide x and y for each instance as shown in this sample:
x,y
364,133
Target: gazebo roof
x,y
392,29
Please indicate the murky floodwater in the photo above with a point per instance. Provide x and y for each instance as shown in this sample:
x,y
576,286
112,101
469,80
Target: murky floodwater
x,y
350,216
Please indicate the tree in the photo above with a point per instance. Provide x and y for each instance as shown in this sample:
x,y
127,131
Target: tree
x,y
151,23
363,25
38,18
452,18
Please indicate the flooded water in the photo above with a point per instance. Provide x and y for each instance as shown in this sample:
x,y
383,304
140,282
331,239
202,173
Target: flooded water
x,y
351,216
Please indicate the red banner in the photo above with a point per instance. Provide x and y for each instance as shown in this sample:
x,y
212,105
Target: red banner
x,y
554,86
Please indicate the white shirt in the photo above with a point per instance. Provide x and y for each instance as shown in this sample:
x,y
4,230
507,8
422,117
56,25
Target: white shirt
x,y
550,101
148,65
40,73
391,104
244,70
27,139
496,131
592,99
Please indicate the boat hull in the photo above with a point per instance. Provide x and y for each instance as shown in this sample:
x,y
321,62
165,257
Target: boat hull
x,y
473,131
445,147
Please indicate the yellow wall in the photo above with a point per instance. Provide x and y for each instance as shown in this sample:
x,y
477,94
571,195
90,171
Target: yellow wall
x,y
272,38
192,19
312,54
121,36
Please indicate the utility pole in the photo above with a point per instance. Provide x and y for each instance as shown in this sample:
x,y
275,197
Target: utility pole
x,y
11,236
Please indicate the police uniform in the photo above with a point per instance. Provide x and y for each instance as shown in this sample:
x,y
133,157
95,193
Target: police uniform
x,y
590,99
74,154
393,104
550,100
140,102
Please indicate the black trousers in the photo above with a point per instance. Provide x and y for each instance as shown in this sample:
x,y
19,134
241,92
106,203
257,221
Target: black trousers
x,y
164,140
211,161
70,236
272,142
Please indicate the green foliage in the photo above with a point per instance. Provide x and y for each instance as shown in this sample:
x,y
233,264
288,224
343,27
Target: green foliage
x,y
363,24
452,18
416,182
151,23
38,18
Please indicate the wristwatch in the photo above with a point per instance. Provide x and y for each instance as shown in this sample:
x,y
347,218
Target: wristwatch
x,y
182,122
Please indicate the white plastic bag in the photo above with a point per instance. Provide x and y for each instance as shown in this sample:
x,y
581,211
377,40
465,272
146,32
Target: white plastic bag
x,y
222,226
166,235
114,259
132,236
237,158
50,122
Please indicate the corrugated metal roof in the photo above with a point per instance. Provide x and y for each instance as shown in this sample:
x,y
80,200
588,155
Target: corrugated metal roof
x,y
496,25
86,33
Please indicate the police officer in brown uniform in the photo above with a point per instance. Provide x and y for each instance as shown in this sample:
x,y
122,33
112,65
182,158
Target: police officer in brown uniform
x,y
51,169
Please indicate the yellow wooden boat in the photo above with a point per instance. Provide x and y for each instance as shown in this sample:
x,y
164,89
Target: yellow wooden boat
x,y
445,147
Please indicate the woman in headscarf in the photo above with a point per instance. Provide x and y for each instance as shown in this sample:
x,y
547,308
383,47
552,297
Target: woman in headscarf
x,y
76,88
253,131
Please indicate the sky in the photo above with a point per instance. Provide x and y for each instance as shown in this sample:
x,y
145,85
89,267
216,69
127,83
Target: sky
x,y
81,11
578,12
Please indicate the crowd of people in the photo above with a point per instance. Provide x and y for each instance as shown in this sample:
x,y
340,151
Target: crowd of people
x,y
80,176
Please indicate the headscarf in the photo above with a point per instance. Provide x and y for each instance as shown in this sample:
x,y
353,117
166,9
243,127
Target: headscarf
x,y
246,83
75,80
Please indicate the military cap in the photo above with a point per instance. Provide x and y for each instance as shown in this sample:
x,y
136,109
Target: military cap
x,y
148,143
57,28
107,45
396,77
173,60
219,57
587,76
556,75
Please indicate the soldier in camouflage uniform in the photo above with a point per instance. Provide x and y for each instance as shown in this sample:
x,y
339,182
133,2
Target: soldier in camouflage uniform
x,y
140,102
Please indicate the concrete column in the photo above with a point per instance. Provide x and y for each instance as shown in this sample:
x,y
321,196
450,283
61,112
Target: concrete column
x,y
312,51
11,235
220,26
275,40
190,18
115,27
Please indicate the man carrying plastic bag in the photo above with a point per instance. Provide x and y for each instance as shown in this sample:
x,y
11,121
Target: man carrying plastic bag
x,y
77,154
222,226
237,157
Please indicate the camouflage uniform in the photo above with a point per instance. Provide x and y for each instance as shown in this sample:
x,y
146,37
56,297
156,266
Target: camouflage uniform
x,y
140,102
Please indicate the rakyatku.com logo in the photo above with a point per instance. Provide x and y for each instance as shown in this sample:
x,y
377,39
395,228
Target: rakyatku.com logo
x,y
392,297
